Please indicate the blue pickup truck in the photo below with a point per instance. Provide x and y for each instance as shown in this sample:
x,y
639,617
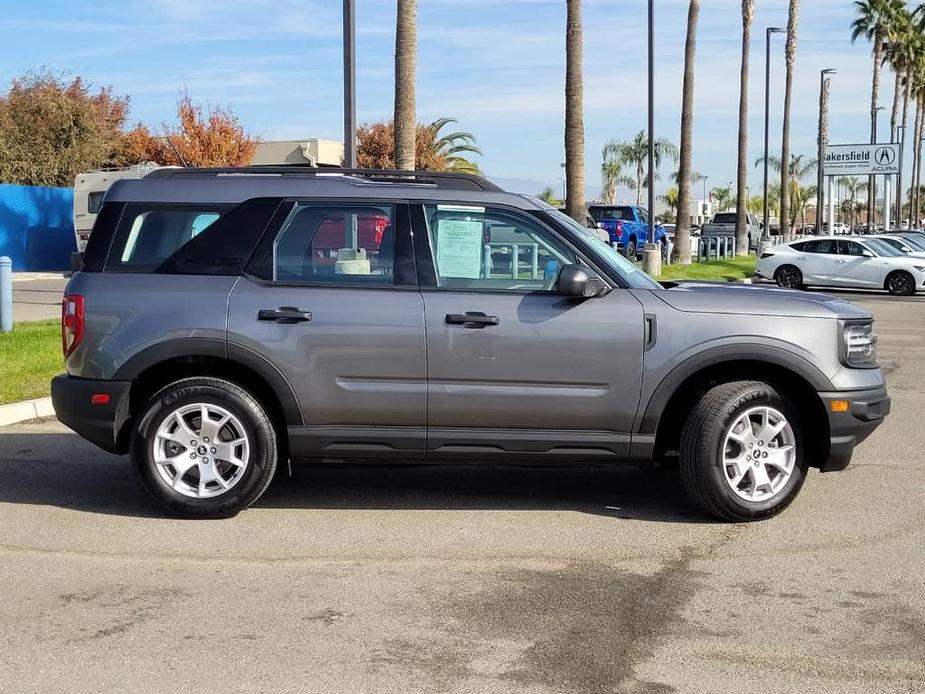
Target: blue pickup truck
x,y
628,226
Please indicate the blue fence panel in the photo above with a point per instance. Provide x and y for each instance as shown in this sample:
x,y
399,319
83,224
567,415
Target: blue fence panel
x,y
37,227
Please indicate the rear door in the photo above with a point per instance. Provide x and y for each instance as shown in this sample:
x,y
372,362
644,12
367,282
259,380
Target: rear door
x,y
817,261
515,370
330,299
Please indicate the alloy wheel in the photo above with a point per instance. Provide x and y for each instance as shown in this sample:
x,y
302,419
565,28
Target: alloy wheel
x,y
759,454
901,283
201,450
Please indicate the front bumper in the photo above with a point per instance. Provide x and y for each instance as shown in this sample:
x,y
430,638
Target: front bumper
x,y
98,423
865,412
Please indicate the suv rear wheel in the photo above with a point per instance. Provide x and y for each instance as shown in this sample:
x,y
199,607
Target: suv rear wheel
x,y
741,452
204,448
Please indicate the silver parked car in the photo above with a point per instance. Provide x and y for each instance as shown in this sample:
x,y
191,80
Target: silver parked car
x,y
229,321
858,262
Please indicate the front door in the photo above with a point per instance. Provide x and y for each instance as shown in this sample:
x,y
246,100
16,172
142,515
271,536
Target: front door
x,y
855,269
516,370
331,301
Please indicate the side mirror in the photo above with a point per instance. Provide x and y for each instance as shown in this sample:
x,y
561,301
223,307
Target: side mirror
x,y
581,283
867,254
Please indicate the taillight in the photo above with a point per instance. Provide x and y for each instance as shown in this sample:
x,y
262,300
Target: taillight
x,y
619,230
381,224
72,323
765,255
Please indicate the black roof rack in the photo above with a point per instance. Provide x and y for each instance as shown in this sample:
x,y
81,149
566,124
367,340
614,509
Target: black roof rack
x,y
440,179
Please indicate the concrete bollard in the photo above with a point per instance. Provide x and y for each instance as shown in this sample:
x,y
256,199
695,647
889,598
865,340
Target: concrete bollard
x,y
6,294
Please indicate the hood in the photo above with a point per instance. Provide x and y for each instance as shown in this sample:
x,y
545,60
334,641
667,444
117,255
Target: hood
x,y
756,300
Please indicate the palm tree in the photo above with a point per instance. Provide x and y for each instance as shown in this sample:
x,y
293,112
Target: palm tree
x,y
405,58
548,195
670,198
748,13
790,56
875,19
635,153
800,168
574,116
901,54
722,199
852,186
612,176
803,195
452,146
682,246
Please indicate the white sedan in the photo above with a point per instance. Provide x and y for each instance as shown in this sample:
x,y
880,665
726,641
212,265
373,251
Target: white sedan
x,y
865,263
909,246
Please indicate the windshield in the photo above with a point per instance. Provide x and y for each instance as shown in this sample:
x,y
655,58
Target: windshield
x,y
916,241
881,247
632,275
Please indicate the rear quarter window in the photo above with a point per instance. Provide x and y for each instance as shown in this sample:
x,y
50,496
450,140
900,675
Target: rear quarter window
x,y
148,234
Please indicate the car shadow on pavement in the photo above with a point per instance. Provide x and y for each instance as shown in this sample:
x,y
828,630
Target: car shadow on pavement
x,y
61,470
617,492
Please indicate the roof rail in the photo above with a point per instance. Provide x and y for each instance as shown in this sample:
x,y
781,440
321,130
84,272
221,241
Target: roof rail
x,y
440,179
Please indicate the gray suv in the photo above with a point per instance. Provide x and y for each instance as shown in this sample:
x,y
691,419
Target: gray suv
x,y
229,321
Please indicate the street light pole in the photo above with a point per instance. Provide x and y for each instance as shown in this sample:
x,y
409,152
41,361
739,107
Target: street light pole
x,y
350,85
652,256
822,137
766,231
651,235
901,139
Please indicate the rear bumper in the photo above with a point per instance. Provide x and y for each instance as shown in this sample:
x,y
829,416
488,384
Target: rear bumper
x,y
866,411
99,424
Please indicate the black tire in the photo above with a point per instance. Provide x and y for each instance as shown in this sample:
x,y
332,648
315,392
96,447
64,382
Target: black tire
x,y
250,414
900,283
702,443
631,251
789,277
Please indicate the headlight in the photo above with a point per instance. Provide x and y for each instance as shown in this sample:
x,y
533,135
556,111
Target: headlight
x,y
858,347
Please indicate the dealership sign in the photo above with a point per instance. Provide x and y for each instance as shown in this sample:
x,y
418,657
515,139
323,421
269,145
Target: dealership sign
x,y
861,160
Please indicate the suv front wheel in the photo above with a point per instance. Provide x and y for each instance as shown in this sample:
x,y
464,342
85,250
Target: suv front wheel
x,y
204,448
741,452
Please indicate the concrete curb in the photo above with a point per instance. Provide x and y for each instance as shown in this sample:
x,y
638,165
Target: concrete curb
x,y
27,409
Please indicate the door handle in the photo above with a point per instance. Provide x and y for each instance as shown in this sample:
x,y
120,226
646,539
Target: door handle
x,y
284,314
471,319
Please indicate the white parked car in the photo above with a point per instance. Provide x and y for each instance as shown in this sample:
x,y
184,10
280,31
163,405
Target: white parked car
x,y
907,245
861,262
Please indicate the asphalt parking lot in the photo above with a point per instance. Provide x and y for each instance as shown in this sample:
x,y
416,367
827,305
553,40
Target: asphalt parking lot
x,y
37,295
467,579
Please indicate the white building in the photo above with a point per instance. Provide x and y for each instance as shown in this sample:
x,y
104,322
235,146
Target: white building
x,y
312,152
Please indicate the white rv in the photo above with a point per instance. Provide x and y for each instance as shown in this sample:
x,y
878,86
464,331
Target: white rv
x,y
89,189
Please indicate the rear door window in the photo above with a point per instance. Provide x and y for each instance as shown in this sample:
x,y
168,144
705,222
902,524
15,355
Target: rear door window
x,y
821,246
148,234
337,244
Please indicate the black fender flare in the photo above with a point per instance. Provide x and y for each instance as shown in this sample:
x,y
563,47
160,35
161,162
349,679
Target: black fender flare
x,y
728,353
219,349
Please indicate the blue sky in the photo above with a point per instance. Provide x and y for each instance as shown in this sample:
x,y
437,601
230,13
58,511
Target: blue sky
x,y
496,66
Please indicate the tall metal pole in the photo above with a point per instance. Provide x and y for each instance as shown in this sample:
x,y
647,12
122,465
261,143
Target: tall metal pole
x,y
872,180
350,85
651,121
901,139
766,231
